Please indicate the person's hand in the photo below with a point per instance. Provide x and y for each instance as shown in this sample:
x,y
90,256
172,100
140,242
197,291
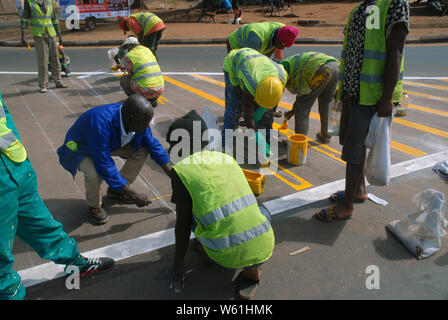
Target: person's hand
x,y
61,42
385,107
177,279
140,200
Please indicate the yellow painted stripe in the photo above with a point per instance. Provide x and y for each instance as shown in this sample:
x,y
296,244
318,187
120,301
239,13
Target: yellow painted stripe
x,y
407,149
429,96
419,84
429,110
162,100
304,184
395,145
210,80
222,103
421,127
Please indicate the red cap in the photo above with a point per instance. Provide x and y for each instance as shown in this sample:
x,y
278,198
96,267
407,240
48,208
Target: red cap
x,y
122,21
287,35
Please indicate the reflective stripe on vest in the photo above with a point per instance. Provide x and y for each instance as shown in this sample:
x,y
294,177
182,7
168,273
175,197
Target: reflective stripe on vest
x,y
374,61
146,20
248,74
9,144
40,21
230,225
146,70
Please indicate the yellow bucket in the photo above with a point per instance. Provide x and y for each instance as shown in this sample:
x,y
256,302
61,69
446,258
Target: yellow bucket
x,y
256,181
297,148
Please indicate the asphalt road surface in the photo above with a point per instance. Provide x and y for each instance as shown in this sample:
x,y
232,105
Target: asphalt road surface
x,y
141,239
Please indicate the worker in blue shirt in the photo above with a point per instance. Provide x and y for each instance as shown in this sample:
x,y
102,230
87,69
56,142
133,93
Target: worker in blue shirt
x,y
106,131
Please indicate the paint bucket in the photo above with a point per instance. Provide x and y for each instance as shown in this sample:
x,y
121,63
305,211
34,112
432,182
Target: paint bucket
x,y
256,181
297,147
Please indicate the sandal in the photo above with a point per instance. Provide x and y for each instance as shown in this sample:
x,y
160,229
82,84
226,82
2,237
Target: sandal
x,y
329,215
338,196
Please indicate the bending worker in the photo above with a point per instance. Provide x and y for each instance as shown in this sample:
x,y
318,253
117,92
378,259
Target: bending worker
x,y
42,17
312,75
254,84
106,131
146,26
265,37
143,71
214,201
23,213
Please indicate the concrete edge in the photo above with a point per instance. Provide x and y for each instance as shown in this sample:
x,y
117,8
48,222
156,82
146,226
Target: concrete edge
x,y
100,43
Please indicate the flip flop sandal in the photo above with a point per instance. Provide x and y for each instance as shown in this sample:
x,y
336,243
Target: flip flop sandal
x,y
247,288
329,215
338,196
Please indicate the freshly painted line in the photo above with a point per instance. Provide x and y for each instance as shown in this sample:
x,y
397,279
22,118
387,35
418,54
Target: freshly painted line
x,y
318,193
418,84
157,240
429,96
429,110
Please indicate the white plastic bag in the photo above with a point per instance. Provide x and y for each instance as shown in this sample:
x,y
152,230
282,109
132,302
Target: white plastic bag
x,y
111,54
421,232
378,161
335,118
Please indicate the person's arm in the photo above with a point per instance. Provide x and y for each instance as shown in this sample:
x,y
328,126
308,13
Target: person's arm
x,y
156,151
25,20
55,22
394,48
184,219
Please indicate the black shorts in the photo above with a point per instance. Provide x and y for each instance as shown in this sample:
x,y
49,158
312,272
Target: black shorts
x,y
355,121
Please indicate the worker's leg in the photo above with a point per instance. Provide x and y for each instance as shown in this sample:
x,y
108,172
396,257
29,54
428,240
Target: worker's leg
x,y
232,111
41,46
54,60
9,279
330,73
125,83
150,93
36,225
134,161
302,108
92,182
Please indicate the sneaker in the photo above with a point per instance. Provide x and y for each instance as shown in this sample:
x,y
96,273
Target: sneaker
x,y
43,89
99,215
89,266
61,85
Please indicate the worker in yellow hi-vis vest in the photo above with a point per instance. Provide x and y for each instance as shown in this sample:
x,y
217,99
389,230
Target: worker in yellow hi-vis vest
x,y
146,26
143,71
42,18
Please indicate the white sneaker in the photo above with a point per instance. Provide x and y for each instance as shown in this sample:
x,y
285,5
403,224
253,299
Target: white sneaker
x,y
43,89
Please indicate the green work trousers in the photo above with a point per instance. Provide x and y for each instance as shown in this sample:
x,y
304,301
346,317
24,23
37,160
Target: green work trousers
x,y
23,213
47,51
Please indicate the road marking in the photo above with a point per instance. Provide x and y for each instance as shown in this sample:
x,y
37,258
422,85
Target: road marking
x,y
161,239
398,146
429,110
425,95
422,127
419,84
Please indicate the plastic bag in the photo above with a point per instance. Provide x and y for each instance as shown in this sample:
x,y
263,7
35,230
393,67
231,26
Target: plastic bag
x,y
441,169
335,118
421,232
378,161
111,54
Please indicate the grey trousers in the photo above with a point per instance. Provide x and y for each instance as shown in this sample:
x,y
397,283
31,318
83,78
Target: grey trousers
x,y
130,170
47,49
323,88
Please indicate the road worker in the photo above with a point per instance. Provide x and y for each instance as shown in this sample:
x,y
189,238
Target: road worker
x,y
143,71
312,75
146,26
265,37
214,201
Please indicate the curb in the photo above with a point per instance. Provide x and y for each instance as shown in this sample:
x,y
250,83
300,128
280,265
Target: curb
x,y
220,41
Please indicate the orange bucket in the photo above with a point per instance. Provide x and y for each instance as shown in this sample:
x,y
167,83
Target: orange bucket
x,y
256,181
297,148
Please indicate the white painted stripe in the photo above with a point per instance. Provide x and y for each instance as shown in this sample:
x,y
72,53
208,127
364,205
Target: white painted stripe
x,y
86,74
164,238
318,193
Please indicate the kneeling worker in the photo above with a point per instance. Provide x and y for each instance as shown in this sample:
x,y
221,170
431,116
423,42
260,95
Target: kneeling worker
x,y
143,71
312,75
214,200
106,131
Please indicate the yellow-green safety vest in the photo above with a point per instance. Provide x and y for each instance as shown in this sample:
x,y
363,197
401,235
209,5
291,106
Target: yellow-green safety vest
x,y
301,69
145,68
9,144
147,20
374,61
40,21
264,30
230,226
247,68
